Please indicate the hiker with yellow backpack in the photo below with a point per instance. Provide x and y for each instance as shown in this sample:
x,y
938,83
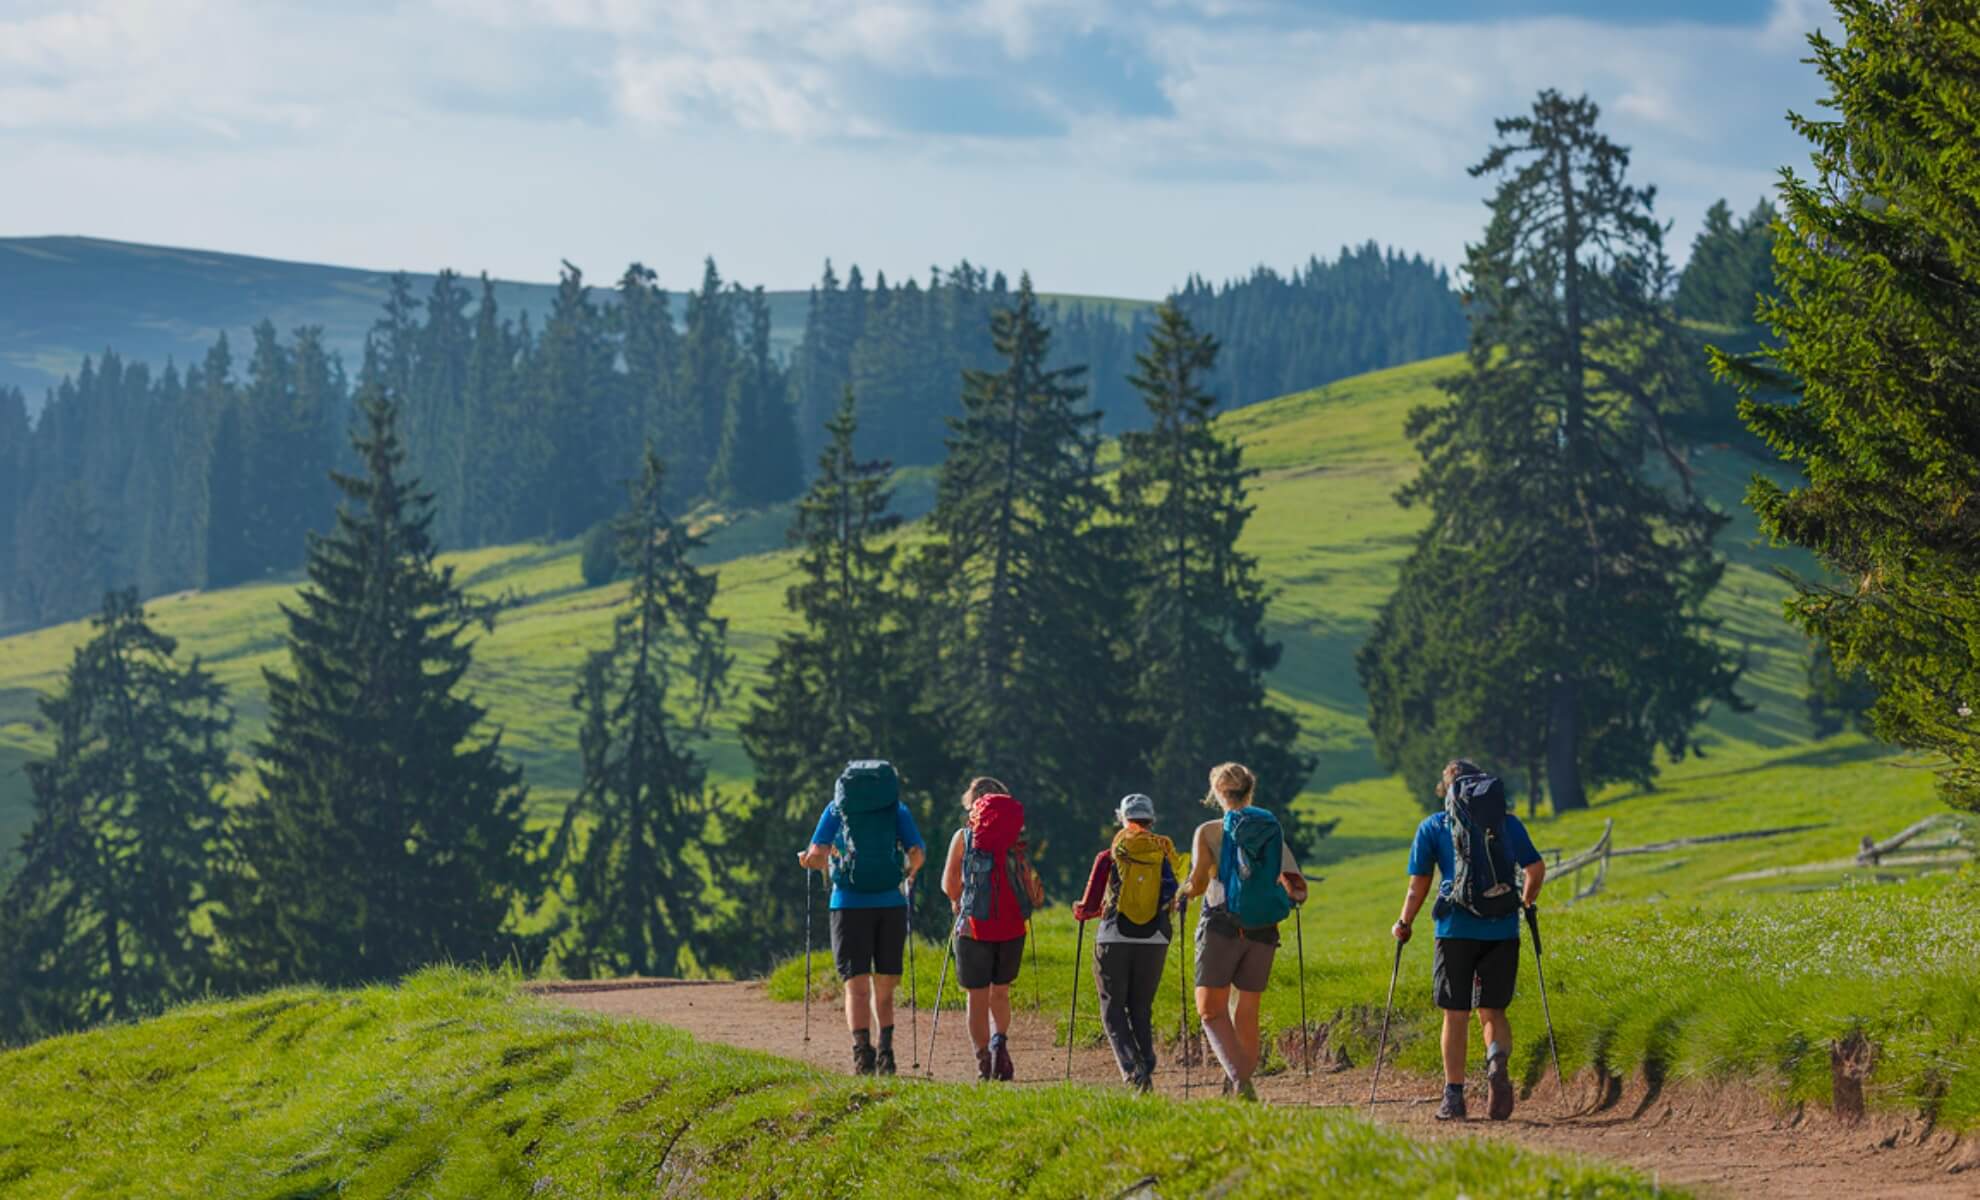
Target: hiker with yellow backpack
x,y
1131,892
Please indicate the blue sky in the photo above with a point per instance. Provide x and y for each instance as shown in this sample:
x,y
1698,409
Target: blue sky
x,y
1110,146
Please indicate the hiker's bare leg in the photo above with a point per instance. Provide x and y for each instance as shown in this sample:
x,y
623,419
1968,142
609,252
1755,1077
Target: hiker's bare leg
x,y
859,991
883,999
1213,1008
979,1016
1493,1024
1457,1039
1246,1020
1000,1008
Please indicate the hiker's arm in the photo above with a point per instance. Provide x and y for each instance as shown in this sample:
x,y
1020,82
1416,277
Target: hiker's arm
x,y
1199,868
1536,874
1295,885
952,872
1419,891
815,857
916,856
1090,904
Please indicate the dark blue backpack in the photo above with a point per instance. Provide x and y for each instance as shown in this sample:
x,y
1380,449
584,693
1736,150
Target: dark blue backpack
x,y
1249,866
869,858
1486,880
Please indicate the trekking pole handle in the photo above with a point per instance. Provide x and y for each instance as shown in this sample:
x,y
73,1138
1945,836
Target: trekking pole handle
x,y
1533,924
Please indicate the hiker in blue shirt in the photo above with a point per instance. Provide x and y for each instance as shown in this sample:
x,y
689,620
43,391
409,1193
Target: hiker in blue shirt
x,y
1477,915
869,899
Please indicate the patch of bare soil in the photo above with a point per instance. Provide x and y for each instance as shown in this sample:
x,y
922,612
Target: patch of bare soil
x,y
1716,1141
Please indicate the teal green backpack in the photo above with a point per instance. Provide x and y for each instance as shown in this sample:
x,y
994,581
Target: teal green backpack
x,y
869,858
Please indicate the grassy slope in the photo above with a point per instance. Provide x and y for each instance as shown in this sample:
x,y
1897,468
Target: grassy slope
x,y
1329,537
452,1085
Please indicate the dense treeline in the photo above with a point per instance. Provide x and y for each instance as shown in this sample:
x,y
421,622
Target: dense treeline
x,y
1039,633
206,476
210,477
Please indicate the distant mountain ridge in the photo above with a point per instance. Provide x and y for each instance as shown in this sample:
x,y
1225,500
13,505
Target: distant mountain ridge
x,y
66,298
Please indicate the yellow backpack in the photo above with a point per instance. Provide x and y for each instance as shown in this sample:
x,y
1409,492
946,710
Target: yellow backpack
x,y
1135,891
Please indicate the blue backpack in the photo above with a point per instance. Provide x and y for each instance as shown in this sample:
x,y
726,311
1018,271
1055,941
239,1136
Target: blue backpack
x,y
1249,867
869,858
1484,881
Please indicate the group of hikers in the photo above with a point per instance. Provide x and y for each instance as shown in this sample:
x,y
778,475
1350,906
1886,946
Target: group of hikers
x,y
1241,868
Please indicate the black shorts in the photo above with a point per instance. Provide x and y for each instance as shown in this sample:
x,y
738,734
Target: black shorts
x,y
981,964
1473,974
869,941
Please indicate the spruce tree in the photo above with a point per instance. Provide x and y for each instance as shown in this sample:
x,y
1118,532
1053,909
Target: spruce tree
x,y
1199,651
103,919
639,888
1877,328
575,392
708,361
1563,574
1023,618
840,687
388,832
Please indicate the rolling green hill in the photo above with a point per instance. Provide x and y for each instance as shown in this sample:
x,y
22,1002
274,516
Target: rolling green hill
x,y
1327,532
62,298
455,1085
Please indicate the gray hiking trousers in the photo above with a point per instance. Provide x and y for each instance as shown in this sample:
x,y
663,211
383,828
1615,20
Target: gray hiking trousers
x,y
1127,975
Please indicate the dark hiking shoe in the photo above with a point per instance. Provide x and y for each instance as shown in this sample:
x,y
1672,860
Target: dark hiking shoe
x,y
863,1059
1246,1093
1502,1089
1005,1069
1453,1106
1142,1082
883,1061
983,1066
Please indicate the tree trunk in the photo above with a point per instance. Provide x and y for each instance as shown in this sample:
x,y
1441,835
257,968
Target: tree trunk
x,y
1563,763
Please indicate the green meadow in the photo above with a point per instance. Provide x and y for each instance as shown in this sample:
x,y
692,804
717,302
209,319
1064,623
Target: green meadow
x,y
454,1084
1737,960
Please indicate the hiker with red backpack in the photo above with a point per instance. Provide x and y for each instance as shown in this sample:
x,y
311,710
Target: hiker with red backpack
x,y
867,839
1491,874
1249,882
993,890
1131,892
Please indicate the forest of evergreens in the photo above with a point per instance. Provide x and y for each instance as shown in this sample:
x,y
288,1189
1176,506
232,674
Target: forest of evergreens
x,y
164,477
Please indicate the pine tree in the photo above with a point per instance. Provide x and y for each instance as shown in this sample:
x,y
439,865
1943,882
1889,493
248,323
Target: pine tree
x,y
1199,649
638,903
1553,549
436,408
1877,330
15,437
1730,269
708,360
575,391
1022,613
389,829
841,687
103,918
651,347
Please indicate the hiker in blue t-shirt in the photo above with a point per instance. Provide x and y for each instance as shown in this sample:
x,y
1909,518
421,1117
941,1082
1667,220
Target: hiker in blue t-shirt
x,y
869,928
1477,958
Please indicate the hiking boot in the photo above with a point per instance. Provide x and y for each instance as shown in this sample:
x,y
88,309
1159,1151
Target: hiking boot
x,y
883,1061
1142,1081
1246,1093
1005,1070
983,1066
1500,1080
1453,1106
863,1059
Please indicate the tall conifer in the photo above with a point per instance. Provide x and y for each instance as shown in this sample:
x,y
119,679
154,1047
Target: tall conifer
x,y
389,829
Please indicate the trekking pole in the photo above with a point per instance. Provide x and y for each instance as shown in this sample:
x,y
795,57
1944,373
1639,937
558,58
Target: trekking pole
x,y
1383,1045
1072,1014
807,954
1182,991
1037,980
1305,1045
940,981
1533,924
914,982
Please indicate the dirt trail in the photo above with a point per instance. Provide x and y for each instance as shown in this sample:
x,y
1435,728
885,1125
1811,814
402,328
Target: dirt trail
x,y
1714,1141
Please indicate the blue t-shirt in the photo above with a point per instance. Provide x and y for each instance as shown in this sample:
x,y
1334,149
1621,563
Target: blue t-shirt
x,y
1433,847
827,834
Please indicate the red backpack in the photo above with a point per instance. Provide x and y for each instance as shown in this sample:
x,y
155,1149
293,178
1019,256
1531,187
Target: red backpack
x,y
999,888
